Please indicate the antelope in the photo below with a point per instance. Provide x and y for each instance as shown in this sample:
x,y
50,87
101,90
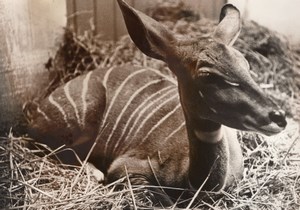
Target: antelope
x,y
153,128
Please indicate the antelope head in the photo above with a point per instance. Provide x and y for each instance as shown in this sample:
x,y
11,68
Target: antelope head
x,y
214,80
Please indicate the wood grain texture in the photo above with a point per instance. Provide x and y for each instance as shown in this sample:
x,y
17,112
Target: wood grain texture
x,y
108,19
29,34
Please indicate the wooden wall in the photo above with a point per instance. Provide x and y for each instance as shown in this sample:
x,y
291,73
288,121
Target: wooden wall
x,y
279,15
30,32
105,16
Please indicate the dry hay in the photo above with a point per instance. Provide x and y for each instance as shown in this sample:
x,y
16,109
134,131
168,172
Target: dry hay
x,y
39,182
272,166
271,179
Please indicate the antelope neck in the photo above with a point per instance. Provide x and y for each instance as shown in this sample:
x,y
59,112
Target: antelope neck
x,y
207,131
208,155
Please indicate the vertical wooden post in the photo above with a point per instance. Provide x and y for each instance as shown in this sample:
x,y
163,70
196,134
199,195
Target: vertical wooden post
x,y
71,14
206,8
29,31
104,18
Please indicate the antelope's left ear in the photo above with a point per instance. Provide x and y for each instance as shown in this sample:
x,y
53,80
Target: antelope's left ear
x,y
229,27
150,36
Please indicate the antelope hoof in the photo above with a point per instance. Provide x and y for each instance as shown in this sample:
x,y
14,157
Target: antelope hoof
x,y
94,172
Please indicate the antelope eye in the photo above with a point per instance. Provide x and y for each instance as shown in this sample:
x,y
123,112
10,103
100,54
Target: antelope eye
x,y
204,74
207,77
211,78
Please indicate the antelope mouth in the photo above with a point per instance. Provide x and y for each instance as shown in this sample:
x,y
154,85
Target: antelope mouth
x,y
268,130
272,129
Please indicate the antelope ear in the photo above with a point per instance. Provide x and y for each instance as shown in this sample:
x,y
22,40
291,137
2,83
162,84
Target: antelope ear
x,y
229,27
151,37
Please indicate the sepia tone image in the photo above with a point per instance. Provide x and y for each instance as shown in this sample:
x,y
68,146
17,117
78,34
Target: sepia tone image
x,y
149,104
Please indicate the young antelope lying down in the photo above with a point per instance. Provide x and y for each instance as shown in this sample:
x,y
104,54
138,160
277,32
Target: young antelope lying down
x,y
163,132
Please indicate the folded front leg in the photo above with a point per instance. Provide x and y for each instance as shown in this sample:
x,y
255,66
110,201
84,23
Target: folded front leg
x,y
144,185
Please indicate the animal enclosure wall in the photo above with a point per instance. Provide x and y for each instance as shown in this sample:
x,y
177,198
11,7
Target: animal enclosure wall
x,y
30,31
279,15
105,18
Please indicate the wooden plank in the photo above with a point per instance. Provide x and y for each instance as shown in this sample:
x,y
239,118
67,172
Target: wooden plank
x,y
71,14
105,19
84,15
206,8
29,31
144,5
218,6
7,106
16,75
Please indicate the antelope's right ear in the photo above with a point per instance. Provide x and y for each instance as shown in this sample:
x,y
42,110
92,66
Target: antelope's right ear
x,y
229,27
150,36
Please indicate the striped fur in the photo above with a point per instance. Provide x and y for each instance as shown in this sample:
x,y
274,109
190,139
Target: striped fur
x,y
136,111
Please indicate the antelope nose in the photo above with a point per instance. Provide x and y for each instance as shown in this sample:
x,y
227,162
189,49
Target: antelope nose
x,y
278,117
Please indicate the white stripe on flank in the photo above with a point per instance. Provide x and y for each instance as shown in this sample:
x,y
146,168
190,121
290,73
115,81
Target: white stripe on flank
x,y
120,88
85,86
53,102
72,102
105,78
43,113
133,96
142,105
175,131
137,119
160,122
152,113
